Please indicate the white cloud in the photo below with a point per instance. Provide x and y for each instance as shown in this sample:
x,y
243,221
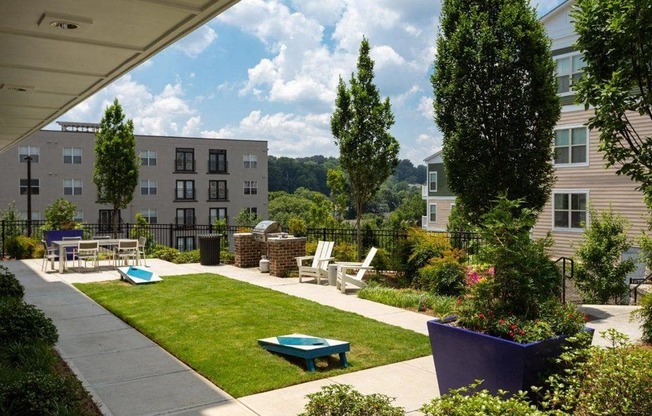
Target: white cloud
x,y
197,42
287,134
426,108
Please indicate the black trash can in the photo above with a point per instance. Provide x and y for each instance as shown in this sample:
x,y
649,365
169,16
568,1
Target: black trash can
x,y
209,249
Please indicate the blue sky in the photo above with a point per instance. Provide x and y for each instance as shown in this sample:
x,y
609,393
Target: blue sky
x,y
268,70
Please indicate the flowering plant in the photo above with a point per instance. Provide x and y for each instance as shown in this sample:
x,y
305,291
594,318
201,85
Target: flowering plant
x,y
517,296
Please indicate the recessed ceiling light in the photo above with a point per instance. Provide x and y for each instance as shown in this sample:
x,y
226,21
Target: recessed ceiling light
x,y
55,21
64,25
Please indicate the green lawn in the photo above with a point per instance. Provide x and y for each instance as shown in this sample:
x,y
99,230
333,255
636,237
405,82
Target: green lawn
x,y
212,323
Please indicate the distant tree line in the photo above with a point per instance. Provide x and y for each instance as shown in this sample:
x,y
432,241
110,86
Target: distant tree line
x,y
289,174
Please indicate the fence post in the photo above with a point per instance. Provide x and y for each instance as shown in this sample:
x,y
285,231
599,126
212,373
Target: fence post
x,y
324,234
3,239
171,236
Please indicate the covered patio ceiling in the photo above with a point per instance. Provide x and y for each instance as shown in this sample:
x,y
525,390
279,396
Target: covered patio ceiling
x,y
55,54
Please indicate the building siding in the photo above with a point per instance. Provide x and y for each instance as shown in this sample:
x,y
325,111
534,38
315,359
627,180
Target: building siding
x,y
51,171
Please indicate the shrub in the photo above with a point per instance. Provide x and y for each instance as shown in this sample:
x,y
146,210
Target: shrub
x,y
297,226
20,322
345,252
604,381
644,313
343,400
443,275
165,253
459,402
226,257
21,247
191,256
9,285
27,356
311,248
60,215
424,246
382,260
600,274
37,394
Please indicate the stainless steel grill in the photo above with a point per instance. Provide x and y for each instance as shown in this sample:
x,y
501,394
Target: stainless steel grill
x,y
267,229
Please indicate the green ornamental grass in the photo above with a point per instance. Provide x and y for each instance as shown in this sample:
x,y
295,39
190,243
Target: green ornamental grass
x,y
212,323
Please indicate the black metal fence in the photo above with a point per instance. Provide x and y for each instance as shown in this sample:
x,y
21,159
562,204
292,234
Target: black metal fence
x,y
182,237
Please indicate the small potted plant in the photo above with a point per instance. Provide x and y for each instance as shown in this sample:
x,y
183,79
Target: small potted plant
x,y
510,321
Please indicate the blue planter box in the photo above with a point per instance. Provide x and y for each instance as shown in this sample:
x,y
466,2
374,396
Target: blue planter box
x,y
462,356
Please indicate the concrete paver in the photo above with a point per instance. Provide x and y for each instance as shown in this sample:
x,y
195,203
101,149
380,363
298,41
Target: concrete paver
x,y
128,374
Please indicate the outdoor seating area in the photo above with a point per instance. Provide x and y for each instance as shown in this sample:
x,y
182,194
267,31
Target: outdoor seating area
x,y
116,252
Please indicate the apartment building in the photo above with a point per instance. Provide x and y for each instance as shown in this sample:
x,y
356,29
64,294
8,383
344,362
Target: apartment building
x,y
182,181
582,181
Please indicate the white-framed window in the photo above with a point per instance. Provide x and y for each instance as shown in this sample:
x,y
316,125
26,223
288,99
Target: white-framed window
x,y
185,190
250,187
215,214
185,216
148,158
570,209
568,72
72,186
36,187
148,186
186,243
250,161
252,211
217,190
432,213
79,216
572,146
33,151
151,215
72,155
432,181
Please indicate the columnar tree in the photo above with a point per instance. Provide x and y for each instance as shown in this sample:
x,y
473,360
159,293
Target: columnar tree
x,y
615,39
360,125
116,162
495,103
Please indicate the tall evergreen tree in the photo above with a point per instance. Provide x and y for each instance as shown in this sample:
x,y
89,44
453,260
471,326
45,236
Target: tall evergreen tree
x,y
360,125
116,162
495,103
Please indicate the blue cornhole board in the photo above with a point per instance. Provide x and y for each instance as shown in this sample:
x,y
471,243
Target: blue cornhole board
x,y
138,275
306,347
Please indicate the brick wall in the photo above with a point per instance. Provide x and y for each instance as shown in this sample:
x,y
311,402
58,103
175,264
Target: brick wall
x,y
248,251
282,253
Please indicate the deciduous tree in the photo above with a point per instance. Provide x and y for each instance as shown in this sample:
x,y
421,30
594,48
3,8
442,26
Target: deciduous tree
x,y
360,125
116,162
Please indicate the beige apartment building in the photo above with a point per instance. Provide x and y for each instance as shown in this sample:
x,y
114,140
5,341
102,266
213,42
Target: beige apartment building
x,y
183,181
582,181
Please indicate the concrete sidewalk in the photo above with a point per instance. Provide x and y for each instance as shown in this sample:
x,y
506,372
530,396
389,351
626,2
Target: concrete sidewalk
x,y
130,375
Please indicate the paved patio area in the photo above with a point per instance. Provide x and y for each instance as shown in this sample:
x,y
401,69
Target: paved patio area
x,y
130,375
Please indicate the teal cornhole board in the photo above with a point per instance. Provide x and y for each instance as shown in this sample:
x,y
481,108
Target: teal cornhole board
x,y
306,347
138,275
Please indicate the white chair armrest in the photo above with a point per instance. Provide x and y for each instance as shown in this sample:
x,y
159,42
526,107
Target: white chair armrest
x,y
301,259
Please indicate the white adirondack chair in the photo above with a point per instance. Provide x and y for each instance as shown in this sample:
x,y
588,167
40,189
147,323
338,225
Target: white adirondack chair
x,y
318,268
345,270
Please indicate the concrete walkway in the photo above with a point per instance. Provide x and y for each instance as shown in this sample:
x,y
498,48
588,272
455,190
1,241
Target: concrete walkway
x,y
130,375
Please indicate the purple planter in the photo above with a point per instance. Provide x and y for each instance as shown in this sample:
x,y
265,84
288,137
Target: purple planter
x,y
462,356
55,235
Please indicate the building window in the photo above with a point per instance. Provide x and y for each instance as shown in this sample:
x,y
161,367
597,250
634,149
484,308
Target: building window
x,y
186,243
148,187
215,214
432,216
185,160
252,211
571,146
570,210
250,161
35,187
185,216
33,151
217,190
151,215
569,71
185,190
36,215
432,182
250,187
148,158
217,161
72,187
72,155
